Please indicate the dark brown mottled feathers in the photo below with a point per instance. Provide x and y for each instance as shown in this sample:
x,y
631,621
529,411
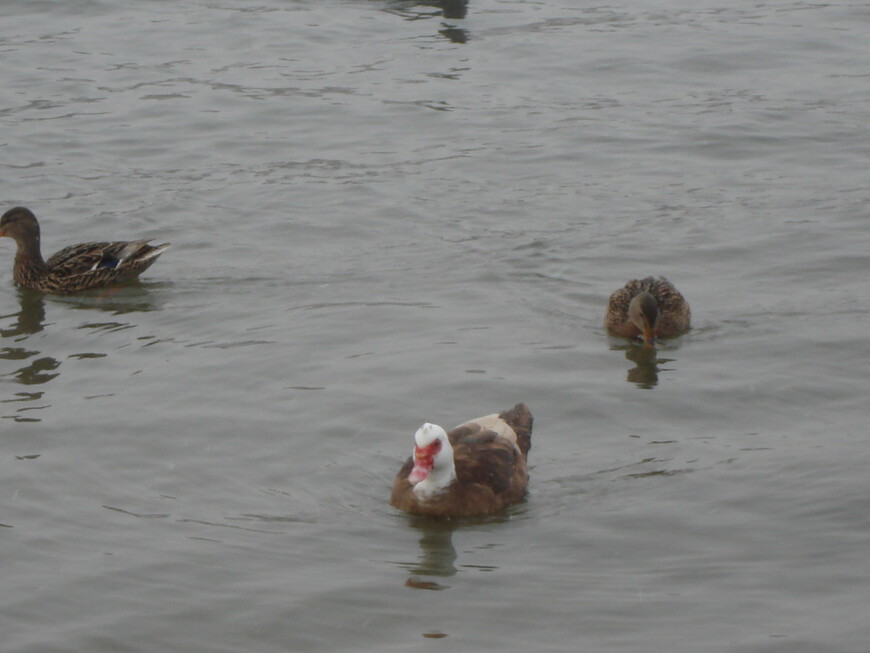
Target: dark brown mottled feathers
x,y
487,461
77,267
674,312
521,421
491,471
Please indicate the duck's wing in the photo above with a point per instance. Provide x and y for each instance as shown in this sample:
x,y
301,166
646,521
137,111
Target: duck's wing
x,y
128,257
77,259
486,459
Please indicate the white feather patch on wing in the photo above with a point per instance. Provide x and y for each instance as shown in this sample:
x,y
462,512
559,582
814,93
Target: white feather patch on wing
x,y
495,423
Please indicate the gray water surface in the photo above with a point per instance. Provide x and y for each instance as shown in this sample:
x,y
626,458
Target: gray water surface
x,y
385,213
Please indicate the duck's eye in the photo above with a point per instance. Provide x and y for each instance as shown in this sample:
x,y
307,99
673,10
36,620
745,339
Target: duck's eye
x,y
436,446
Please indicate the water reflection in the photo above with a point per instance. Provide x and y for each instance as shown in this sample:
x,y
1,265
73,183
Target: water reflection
x,y
447,9
645,373
119,300
16,328
437,558
28,320
454,34
31,317
437,554
39,371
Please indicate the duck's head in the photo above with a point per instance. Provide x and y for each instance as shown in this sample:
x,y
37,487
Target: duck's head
x,y
19,224
433,455
643,311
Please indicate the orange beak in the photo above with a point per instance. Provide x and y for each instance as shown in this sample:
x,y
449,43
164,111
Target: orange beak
x,y
649,336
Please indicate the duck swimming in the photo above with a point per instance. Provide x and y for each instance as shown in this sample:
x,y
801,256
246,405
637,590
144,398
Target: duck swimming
x,y
74,268
648,308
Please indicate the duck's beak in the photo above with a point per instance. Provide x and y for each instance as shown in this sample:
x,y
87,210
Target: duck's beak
x,y
649,336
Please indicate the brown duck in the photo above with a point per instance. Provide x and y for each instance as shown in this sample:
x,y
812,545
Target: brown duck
x,y
476,469
650,308
77,267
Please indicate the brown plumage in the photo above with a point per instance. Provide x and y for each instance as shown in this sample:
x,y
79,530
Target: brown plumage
x,y
78,267
648,308
476,469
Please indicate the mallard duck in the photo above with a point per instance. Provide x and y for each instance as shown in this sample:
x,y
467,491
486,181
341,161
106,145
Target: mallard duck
x,y
476,469
77,267
650,308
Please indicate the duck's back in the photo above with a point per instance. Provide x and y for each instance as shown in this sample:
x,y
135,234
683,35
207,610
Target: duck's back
x,y
94,265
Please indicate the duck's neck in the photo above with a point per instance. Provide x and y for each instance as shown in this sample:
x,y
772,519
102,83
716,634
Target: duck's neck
x,y
438,480
28,260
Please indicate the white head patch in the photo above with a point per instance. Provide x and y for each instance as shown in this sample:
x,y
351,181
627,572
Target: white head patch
x,y
427,434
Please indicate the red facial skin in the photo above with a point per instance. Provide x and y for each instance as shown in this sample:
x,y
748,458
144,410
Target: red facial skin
x,y
424,458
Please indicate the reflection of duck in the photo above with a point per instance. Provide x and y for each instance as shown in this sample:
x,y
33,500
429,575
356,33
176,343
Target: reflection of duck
x,y
454,34
476,469
449,9
31,317
30,320
650,308
645,374
78,267
437,553
39,371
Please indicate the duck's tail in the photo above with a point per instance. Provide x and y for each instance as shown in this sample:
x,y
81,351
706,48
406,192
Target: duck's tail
x,y
145,252
520,420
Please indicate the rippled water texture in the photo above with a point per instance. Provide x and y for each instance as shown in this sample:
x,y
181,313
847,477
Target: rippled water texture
x,y
384,213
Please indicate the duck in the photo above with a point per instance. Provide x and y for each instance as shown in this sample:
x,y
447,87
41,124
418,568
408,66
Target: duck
x,y
74,268
476,469
649,308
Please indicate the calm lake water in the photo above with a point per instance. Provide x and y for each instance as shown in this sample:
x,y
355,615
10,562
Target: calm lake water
x,y
391,212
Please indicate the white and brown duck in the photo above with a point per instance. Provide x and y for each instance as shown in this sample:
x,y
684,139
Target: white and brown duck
x,y
476,469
